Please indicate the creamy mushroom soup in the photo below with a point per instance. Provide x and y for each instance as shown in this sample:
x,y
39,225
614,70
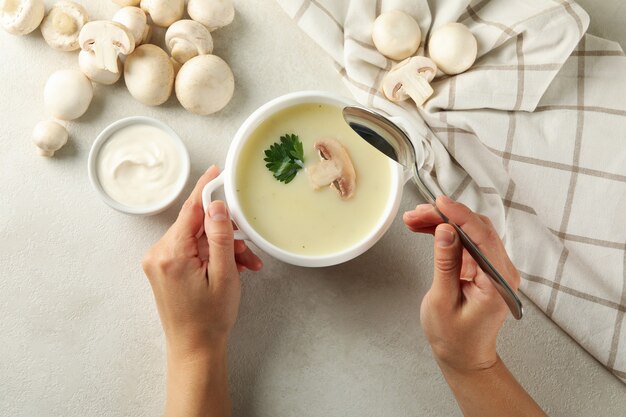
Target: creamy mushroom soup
x,y
296,216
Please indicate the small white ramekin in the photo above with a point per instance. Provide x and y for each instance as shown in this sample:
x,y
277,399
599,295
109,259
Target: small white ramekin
x,y
227,179
147,210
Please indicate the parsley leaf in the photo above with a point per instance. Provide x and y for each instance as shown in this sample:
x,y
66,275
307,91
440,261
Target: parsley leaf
x,y
285,158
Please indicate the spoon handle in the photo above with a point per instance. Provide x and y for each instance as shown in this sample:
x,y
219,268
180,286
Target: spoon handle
x,y
510,297
504,289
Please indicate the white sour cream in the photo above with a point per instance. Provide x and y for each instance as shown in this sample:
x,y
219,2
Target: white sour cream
x,y
139,165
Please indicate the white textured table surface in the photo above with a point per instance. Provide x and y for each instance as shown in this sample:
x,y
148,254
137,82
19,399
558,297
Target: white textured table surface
x,y
79,331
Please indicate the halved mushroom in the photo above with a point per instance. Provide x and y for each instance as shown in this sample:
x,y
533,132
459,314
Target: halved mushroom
x,y
136,21
20,17
164,12
410,78
335,168
396,34
213,14
187,39
63,24
107,40
87,64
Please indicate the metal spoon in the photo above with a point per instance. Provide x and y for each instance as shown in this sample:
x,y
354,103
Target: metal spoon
x,y
389,139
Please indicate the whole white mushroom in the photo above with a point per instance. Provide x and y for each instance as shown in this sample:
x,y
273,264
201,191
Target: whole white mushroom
x,y
149,75
125,3
88,64
21,17
205,84
67,94
63,24
213,14
396,35
136,21
453,48
164,12
186,39
49,137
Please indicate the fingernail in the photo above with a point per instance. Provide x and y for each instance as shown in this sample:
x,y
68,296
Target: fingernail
x,y
217,211
422,208
443,238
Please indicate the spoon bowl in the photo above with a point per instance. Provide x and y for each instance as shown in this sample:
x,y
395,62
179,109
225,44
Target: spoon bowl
x,y
389,139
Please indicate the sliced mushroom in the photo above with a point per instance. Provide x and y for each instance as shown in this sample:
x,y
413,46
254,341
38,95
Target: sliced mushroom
x,y
213,14
187,39
136,21
149,75
67,94
63,24
107,40
410,78
164,12
396,35
21,17
49,137
335,169
205,84
87,64
453,48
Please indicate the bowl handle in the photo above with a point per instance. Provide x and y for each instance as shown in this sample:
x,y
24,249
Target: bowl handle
x,y
206,200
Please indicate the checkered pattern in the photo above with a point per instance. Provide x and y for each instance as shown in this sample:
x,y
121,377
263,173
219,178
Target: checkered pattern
x,y
532,136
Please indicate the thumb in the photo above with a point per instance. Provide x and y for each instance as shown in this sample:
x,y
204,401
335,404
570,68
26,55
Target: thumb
x,y
219,232
448,261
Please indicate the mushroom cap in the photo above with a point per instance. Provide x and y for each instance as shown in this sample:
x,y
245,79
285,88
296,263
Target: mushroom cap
x,y
135,20
453,47
394,80
49,137
213,14
107,40
63,24
396,34
205,84
21,17
124,3
87,64
67,94
186,39
149,75
164,12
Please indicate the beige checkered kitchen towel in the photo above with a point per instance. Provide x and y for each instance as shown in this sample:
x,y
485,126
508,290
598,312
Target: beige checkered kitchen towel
x,y
533,136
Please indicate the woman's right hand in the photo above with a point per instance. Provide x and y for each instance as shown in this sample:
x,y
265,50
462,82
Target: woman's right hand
x,y
462,312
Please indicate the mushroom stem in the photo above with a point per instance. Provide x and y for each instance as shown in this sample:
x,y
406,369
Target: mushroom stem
x,y
43,152
182,53
106,57
417,87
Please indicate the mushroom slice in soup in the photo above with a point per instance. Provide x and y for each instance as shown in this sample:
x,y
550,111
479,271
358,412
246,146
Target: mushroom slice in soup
x,y
335,168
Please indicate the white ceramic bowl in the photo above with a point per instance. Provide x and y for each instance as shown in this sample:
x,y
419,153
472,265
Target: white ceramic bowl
x,y
147,210
228,179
